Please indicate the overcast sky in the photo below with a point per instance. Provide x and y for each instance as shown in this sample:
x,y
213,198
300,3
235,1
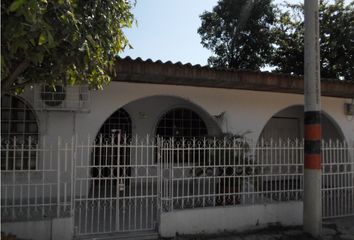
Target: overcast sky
x,y
167,30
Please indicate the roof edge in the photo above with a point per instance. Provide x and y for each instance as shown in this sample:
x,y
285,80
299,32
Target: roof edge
x,y
148,71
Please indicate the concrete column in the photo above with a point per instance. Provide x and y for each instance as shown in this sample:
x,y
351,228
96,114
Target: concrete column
x,y
312,151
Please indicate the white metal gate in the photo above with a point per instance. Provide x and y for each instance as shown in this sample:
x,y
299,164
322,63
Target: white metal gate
x,y
116,186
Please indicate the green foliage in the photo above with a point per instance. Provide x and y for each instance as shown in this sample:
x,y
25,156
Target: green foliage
x,y
336,40
253,34
238,33
61,41
289,40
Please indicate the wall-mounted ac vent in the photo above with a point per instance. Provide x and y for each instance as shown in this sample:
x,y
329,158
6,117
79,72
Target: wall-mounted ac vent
x,y
62,98
53,96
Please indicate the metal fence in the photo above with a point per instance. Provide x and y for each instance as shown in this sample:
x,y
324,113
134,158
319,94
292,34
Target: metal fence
x,y
219,172
213,172
36,179
337,179
116,185
123,183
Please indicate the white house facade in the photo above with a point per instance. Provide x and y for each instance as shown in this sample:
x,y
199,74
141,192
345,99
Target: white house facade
x,y
148,100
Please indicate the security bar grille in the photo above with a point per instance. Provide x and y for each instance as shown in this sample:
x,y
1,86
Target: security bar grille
x,y
214,172
44,192
122,197
188,173
337,179
181,122
19,134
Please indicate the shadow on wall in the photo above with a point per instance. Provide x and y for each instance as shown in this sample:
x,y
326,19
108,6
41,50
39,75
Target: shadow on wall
x,y
289,124
147,112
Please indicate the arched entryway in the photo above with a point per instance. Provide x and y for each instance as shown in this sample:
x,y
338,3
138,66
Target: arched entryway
x,y
289,124
124,172
281,147
110,162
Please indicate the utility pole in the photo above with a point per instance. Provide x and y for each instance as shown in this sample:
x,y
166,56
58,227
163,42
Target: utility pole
x,y
312,151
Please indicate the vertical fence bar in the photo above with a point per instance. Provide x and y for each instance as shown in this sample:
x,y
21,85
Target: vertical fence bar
x,y
64,203
73,174
29,176
172,172
7,167
58,177
21,186
159,185
147,184
43,167
117,187
183,172
115,169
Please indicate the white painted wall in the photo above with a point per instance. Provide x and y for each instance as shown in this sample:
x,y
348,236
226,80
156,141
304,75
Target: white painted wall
x,y
54,229
289,123
146,113
245,110
236,218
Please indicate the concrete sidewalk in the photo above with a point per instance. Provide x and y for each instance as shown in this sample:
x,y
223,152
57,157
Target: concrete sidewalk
x,y
338,229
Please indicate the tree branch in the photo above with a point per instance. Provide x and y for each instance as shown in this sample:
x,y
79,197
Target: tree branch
x,y
6,85
20,85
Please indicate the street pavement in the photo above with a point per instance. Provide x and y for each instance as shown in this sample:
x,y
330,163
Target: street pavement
x,y
338,229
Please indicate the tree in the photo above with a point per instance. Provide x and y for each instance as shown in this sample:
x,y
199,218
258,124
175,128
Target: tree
x,y
61,41
336,40
238,33
288,46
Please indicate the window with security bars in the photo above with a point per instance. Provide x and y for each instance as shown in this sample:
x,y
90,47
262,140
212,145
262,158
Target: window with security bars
x,y
118,122
181,122
19,134
107,167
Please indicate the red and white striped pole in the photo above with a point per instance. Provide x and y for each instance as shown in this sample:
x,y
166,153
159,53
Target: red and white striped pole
x,y
312,163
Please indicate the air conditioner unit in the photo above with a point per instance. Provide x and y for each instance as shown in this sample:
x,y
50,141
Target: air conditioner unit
x,y
62,98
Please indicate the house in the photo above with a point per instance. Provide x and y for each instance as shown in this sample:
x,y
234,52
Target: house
x,y
135,157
